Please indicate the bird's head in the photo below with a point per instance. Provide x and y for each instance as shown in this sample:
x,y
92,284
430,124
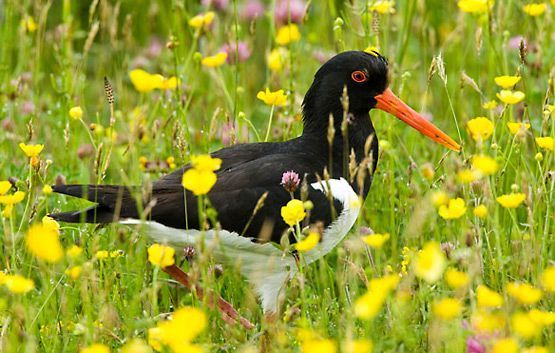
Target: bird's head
x,y
365,76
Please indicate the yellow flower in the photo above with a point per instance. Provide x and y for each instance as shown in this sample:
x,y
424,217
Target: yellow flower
x,y
76,113
43,242
475,6
486,165
440,198
74,251
136,345
524,293
95,348
382,6
145,82
161,255
214,60
548,279
18,284
186,323
518,128
199,182
456,279
293,212
510,97
480,128
73,272
481,211
7,211
546,143
507,81
288,34
5,186
205,163
272,98
369,305
467,176
487,298
29,24
376,241
276,59
544,318
357,346
318,345
490,105
455,209
505,345
202,20
47,190
447,308
311,240
524,326
535,349
430,262
511,200
13,199
101,255
487,322
31,150
535,9
168,83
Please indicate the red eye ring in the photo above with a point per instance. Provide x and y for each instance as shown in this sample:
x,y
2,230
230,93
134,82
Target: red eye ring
x,y
358,76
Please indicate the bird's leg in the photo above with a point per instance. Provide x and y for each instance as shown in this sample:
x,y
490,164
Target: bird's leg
x,y
226,309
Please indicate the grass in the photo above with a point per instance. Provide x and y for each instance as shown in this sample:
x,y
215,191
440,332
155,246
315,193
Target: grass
x,y
442,62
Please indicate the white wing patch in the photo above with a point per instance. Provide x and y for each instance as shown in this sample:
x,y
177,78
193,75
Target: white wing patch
x,y
264,265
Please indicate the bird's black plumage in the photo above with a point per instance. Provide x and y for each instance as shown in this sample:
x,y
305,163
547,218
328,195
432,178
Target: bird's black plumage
x,y
250,170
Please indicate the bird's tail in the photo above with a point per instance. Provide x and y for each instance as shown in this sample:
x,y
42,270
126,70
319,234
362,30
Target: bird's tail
x,y
113,203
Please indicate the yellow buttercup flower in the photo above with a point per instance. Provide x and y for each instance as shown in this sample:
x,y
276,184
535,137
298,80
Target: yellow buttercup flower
x,y
357,346
456,279
319,345
486,321
535,9
548,279
202,20
440,198
74,251
430,262
31,150
293,212
206,163
535,349
308,243
511,200
47,190
481,211
161,255
5,186
177,334
276,59
51,224
376,241
136,345
486,165
490,105
475,6
214,60
76,112
455,209
382,6
168,83
73,272
506,82
505,345
517,128
547,143
199,182
18,284
95,348
544,318
272,98
524,326
524,293
467,176
487,298
480,128
29,24
510,97
143,81
12,199
288,34
369,305
43,242
101,254
447,308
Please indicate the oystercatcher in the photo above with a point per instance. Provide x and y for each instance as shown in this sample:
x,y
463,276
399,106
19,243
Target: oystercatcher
x,y
323,155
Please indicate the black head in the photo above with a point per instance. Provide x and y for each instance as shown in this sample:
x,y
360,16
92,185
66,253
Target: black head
x,y
365,75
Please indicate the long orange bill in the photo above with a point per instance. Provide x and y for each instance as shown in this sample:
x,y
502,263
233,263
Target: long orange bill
x,y
388,102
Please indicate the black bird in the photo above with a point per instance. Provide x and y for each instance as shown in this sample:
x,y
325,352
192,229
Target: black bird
x,y
249,171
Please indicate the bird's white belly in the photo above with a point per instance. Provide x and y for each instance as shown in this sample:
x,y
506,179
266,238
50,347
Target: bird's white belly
x,y
265,265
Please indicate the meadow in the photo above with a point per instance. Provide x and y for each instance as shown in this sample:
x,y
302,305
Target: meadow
x,y
453,252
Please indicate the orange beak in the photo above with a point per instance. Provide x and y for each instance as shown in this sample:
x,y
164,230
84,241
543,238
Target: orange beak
x,y
388,102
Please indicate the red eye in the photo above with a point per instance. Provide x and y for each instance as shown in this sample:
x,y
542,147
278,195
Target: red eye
x,y
358,76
